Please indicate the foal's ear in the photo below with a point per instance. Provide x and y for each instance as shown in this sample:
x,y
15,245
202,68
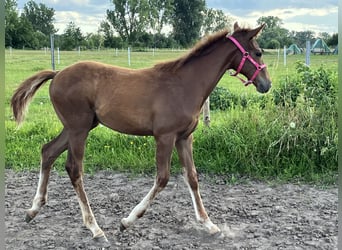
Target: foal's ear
x,y
236,26
255,32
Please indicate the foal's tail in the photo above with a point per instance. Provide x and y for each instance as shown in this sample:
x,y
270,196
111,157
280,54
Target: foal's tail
x,y
24,93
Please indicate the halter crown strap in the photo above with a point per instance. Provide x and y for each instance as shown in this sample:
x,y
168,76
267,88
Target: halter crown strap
x,y
245,56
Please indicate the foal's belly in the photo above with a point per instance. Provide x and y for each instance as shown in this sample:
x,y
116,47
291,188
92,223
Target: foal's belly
x,y
125,121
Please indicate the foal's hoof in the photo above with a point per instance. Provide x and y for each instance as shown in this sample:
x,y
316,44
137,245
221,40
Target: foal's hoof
x,y
214,230
102,241
218,235
122,227
124,224
28,217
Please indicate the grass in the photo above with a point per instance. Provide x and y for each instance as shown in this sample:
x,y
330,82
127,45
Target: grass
x,y
248,142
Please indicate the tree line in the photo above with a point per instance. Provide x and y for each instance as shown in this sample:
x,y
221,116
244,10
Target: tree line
x,y
139,23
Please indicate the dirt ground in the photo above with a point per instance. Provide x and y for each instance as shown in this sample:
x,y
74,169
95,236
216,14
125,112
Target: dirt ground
x,y
251,216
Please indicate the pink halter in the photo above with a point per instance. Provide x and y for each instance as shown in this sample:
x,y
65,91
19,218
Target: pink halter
x,y
246,55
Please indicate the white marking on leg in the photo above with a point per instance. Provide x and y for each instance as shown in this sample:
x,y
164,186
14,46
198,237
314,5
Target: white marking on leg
x,y
211,227
140,209
87,214
40,198
89,219
193,199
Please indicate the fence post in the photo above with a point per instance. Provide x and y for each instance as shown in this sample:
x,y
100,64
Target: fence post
x,y
52,40
308,51
284,55
129,56
206,112
58,56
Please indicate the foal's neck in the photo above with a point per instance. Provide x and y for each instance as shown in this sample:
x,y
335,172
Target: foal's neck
x,y
206,70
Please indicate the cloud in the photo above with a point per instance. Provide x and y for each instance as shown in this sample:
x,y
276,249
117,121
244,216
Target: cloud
x,y
295,19
293,12
300,19
267,5
87,23
297,15
69,2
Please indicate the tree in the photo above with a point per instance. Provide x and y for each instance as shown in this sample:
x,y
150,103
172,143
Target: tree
x,y
129,18
333,41
214,20
25,36
271,22
108,35
94,41
324,35
301,37
163,41
187,21
273,34
11,22
160,14
21,31
72,37
18,30
40,16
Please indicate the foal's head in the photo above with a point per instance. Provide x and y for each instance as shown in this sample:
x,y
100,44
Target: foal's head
x,y
249,58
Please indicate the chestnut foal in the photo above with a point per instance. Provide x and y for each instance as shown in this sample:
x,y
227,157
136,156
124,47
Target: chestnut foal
x,y
163,101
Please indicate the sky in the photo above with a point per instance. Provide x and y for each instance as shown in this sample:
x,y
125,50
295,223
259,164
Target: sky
x,y
296,15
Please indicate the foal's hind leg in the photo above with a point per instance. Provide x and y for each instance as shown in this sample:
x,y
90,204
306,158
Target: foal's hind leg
x,y
165,145
75,170
50,152
184,149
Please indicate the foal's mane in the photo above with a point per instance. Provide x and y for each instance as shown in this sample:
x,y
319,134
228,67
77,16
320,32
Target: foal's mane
x,y
199,49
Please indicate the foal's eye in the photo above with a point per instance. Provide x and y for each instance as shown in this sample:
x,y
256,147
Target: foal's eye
x,y
258,54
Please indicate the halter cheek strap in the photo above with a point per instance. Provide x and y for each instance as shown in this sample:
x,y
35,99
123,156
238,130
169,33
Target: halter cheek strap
x,y
246,56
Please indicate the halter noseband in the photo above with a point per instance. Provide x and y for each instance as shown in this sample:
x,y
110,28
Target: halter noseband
x,y
245,56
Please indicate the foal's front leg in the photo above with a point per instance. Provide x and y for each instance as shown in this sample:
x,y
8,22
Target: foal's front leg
x,y
184,149
165,145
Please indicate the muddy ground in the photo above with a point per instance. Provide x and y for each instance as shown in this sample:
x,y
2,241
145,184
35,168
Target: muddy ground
x,y
251,216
